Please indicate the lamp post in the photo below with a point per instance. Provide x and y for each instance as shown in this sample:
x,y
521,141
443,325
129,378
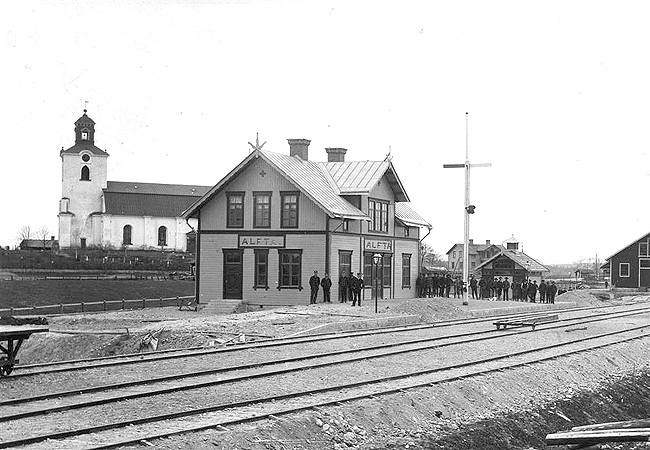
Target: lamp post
x,y
376,259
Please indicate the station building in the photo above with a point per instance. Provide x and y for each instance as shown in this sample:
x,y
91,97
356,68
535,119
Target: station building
x,y
630,266
95,212
276,218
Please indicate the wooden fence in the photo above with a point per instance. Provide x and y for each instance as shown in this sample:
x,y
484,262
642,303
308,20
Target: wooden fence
x,y
85,307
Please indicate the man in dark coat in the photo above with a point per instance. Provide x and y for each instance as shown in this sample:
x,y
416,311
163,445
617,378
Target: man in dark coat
x,y
532,291
343,288
516,290
506,287
551,290
326,284
448,283
358,287
498,285
314,282
472,285
352,285
542,292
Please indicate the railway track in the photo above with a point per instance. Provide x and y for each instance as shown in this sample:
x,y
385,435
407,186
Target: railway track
x,y
305,398
392,348
172,354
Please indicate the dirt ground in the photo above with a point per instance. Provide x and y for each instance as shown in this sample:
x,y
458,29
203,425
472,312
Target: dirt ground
x,y
514,409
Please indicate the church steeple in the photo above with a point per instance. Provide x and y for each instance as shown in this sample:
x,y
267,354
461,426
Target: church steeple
x,y
84,129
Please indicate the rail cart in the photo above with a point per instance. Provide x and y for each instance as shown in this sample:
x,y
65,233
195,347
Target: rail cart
x,y
528,321
11,339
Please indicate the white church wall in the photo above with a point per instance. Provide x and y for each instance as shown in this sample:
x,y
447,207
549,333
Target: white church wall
x,y
144,232
85,196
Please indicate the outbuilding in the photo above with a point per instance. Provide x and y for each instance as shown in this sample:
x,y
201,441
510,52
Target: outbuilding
x,y
630,266
275,219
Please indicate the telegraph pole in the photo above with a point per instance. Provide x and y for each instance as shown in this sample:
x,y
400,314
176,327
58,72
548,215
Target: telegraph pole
x,y
469,209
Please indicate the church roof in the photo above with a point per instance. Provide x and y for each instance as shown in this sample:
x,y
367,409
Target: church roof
x,y
150,199
85,119
81,146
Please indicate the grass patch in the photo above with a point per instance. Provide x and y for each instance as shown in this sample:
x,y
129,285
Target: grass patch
x,y
27,293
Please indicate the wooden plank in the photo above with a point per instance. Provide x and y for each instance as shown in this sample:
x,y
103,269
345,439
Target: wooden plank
x,y
642,423
599,436
7,331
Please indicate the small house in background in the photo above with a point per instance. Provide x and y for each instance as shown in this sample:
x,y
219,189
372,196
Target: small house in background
x,y
478,253
513,264
491,260
39,244
630,266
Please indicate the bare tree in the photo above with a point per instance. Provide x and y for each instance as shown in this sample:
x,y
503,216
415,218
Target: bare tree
x,y
25,232
43,232
430,257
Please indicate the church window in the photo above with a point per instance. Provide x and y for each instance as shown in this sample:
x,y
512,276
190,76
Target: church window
x,y
85,173
126,235
84,135
162,236
85,158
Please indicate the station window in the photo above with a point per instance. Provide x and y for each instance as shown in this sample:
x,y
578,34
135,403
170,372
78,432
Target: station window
x,y
261,269
378,212
406,270
345,263
235,210
624,270
261,210
290,269
289,209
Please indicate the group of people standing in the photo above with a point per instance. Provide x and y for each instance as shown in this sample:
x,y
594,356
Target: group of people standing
x,y
438,286
487,288
522,291
350,287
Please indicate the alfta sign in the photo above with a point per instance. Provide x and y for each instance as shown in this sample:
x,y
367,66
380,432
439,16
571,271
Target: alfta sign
x,y
261,241
374,245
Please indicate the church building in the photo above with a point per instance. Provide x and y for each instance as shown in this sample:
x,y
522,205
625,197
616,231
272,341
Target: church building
x,y
95,212
276,218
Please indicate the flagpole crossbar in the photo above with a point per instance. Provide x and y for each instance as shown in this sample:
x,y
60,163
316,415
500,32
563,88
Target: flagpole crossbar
x,y
467,212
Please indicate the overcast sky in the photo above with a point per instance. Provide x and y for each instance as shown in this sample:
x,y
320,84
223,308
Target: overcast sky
x,y
558,96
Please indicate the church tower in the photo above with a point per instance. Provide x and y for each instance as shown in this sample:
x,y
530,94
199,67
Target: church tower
x,y
84,172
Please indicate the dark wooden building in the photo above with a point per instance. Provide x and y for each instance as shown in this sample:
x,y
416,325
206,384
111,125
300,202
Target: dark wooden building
x,y
513,264
630,266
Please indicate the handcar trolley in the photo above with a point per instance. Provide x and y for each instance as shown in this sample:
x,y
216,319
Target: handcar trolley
x,y
528,321
11,339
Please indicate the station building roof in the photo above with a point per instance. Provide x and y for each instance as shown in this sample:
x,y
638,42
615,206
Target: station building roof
x,y
326,184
